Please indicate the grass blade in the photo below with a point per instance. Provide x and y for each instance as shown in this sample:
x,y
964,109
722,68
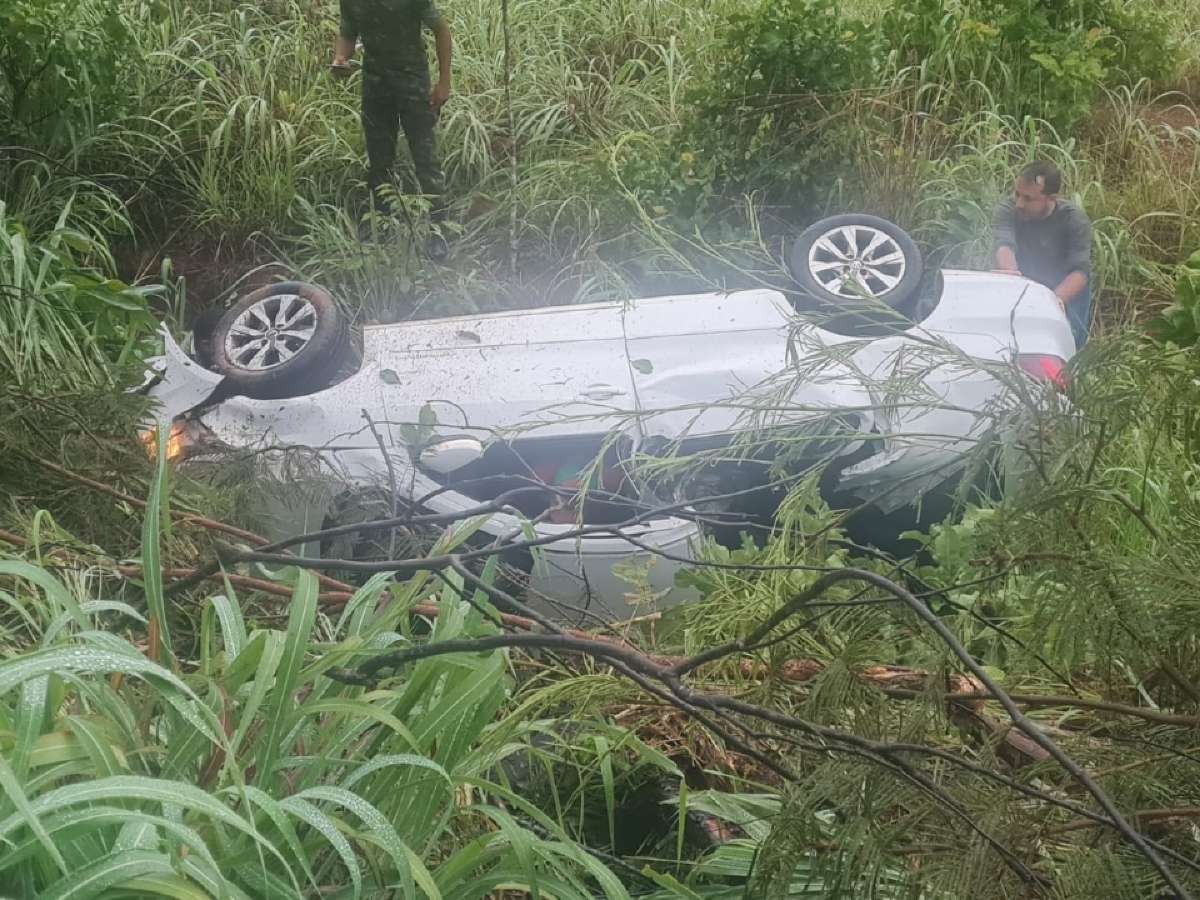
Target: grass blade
x,y
111,871
11,785
279,712
152,552
309,814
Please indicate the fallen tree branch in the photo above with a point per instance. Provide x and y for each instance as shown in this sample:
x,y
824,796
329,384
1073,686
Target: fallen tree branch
x,y
797,671
1036,700
184,518
331,598
180,516
671,677
1142,816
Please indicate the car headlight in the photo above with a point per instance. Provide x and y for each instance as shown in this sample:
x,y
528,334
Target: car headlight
x,y
184,438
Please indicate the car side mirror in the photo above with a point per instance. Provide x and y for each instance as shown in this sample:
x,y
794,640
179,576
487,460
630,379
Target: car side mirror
x,y
449,455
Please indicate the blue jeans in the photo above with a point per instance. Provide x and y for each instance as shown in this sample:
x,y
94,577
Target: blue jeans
x,y
1079,314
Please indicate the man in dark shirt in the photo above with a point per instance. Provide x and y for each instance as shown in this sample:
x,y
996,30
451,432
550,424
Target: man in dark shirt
x,y
1048,240
396,90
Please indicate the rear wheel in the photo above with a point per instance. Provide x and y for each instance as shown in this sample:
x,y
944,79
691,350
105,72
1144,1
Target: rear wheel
x,y
855,262
283,340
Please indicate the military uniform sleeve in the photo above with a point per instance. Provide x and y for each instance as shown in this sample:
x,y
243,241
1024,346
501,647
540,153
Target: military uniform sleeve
x,y
1079,243
1004,225
431,16
349,24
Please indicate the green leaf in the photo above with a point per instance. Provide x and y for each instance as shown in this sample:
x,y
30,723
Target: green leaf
x,y
90,608
520,840
55,748
246,665
71,823
26,813
675,887
111,871
1187,289
421,875
92,660
173,886
269,651
388,376
396,759
51,586
137,835
356,611
360,714
278,816
31,717
280,709
305,811
233,625
151,550
682,822
132,789
643,365
380,828
604,754
102,754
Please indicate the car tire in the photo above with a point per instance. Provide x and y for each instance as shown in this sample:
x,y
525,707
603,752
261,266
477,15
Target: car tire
x,y
855,261
283,340
202,337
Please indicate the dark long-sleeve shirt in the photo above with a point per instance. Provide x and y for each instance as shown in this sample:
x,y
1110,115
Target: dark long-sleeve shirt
x,y
1049,249
390,32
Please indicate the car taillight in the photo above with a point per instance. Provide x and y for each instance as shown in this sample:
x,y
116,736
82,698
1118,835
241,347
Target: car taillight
x,y
1045,367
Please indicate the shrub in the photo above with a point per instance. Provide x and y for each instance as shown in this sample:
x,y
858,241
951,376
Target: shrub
x,y
1180,322
1042,58
61,65
802,46
762,119
64,321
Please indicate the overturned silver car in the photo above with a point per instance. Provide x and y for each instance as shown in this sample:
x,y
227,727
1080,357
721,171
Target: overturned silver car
x,y
581,415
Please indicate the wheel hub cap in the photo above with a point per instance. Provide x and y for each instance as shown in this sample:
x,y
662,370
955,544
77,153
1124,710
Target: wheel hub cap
x,y
857,261
270,332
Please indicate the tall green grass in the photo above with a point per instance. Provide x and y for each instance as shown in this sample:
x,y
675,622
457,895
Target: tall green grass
x,y
236,143
65,322
245,771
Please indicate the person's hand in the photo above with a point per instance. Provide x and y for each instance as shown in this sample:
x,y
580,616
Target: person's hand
x,y
439,96
1000,271
339,68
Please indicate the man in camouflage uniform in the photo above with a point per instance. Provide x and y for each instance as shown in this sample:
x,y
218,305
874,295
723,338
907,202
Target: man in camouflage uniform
x,y
396,90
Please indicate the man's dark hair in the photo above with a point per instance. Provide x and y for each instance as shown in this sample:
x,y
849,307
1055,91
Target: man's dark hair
x,y
1044,174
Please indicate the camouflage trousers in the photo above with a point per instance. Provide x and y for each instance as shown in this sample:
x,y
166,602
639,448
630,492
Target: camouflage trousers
x,y
391,101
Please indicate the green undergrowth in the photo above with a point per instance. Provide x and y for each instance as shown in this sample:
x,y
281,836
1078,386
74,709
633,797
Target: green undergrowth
x,y
211,753
160,157
623,148
244,771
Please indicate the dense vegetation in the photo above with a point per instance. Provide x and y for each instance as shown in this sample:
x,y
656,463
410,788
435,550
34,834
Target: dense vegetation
x,y
160,737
